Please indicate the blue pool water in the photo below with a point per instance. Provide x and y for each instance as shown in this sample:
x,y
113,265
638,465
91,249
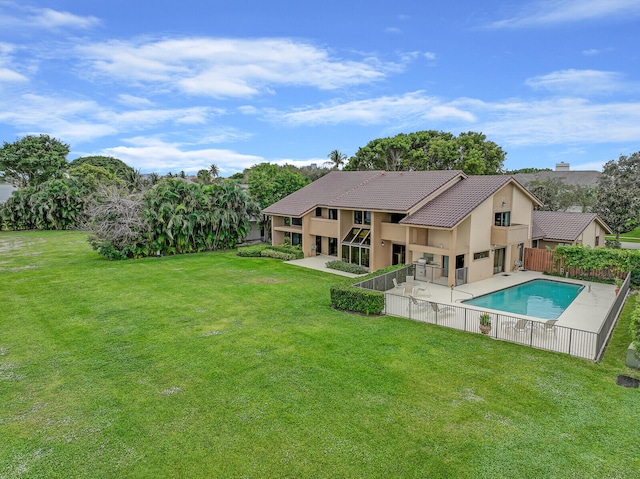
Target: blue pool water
x,y
540,298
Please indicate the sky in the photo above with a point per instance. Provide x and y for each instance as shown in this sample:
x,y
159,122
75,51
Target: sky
x,y
169,86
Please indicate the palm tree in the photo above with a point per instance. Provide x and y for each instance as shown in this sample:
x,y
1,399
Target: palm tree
x,y
214,170
336,159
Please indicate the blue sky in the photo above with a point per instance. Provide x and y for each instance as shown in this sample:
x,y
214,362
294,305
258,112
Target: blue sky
x,y
171,85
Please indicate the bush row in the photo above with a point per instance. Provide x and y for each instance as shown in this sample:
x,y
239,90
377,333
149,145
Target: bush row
x,y
285,253
346,267
347,297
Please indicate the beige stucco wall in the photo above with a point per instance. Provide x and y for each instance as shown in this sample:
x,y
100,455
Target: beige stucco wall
x,y
480,240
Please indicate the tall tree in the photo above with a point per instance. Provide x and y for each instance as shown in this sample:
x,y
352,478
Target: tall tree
x,y
470,152
269,183
33,160
336,159
214,170
618,197
109,163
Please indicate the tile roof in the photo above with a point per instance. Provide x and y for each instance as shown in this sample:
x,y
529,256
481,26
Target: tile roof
x,y
561,225
455,204
579,177
371,190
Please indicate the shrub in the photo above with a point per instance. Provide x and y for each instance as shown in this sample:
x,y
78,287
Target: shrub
x,y
346,267
292,250
253,251
270,253
358,300
634,328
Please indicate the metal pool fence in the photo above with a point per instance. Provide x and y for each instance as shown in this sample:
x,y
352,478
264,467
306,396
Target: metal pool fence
x,y
532,333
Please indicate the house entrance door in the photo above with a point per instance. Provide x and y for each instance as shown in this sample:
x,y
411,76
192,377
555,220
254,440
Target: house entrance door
x,y
398,254
498,260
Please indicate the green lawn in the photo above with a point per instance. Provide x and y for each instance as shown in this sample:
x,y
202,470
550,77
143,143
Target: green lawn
x,y
632,236
211,365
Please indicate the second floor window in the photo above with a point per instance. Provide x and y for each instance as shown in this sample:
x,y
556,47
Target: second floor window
x,y
362,217
333,214
296,221
503,218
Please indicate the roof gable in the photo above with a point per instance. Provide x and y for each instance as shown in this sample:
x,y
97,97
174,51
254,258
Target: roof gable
x,y
455,204
562,225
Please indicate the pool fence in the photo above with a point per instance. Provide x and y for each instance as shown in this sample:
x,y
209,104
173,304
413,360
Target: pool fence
x,y
533,333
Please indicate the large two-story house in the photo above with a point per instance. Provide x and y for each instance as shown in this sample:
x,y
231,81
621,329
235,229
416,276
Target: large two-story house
x,y
455,228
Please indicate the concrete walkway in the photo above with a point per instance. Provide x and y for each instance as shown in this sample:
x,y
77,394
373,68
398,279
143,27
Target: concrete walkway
x,y
319,263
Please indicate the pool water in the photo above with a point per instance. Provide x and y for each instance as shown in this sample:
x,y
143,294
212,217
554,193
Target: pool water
x,y
540,298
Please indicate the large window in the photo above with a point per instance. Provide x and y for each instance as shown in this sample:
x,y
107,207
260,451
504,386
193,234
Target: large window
x,y
355,246
296,221
503,218
296,239
362,217
333,214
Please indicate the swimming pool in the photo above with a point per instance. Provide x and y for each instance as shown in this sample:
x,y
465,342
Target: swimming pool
x,y
540,298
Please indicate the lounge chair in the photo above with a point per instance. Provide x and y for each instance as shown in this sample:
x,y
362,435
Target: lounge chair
x,y
548,327
439,308
520,326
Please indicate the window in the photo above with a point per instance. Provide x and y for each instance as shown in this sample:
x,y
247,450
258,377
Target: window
x,y
597,240
296,239
481,255
355,246
333,246
333,214
362,217
318,212
396,217
534,244
503,218
296,221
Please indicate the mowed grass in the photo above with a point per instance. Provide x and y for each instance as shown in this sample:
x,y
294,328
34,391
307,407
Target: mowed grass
x,y
632,236
212,365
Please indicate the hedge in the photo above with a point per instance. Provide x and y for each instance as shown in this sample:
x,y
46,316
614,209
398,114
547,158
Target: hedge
x,y
346,267
357,300
347,297
285,253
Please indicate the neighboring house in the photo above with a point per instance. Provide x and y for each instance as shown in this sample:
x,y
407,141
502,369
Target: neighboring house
x,y
563,172
6,190
456,228
553,228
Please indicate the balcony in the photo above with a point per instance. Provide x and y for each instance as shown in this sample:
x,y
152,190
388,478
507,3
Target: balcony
x,y
509,234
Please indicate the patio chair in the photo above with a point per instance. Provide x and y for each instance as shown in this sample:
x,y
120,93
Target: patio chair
x,y
408,289
548,327
395,284
520,326
415,303
440,309
423,290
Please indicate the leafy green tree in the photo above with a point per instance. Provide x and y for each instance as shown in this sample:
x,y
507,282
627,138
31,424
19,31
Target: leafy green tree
x,y
118,167
33,160
470,152
269,183
92,177
56,204
204,177
554,194
618,197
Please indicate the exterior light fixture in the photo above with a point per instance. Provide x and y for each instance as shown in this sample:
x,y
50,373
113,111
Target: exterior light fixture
x,y
381,243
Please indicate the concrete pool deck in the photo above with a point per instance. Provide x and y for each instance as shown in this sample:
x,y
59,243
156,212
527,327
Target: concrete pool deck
x,y
587,312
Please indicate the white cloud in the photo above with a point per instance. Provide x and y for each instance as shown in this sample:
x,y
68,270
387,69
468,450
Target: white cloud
x,y
7,75
393,30
556,121
546,12
228,67
579,82
85,120
134,101
19,17
152,154
50,19
410,107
